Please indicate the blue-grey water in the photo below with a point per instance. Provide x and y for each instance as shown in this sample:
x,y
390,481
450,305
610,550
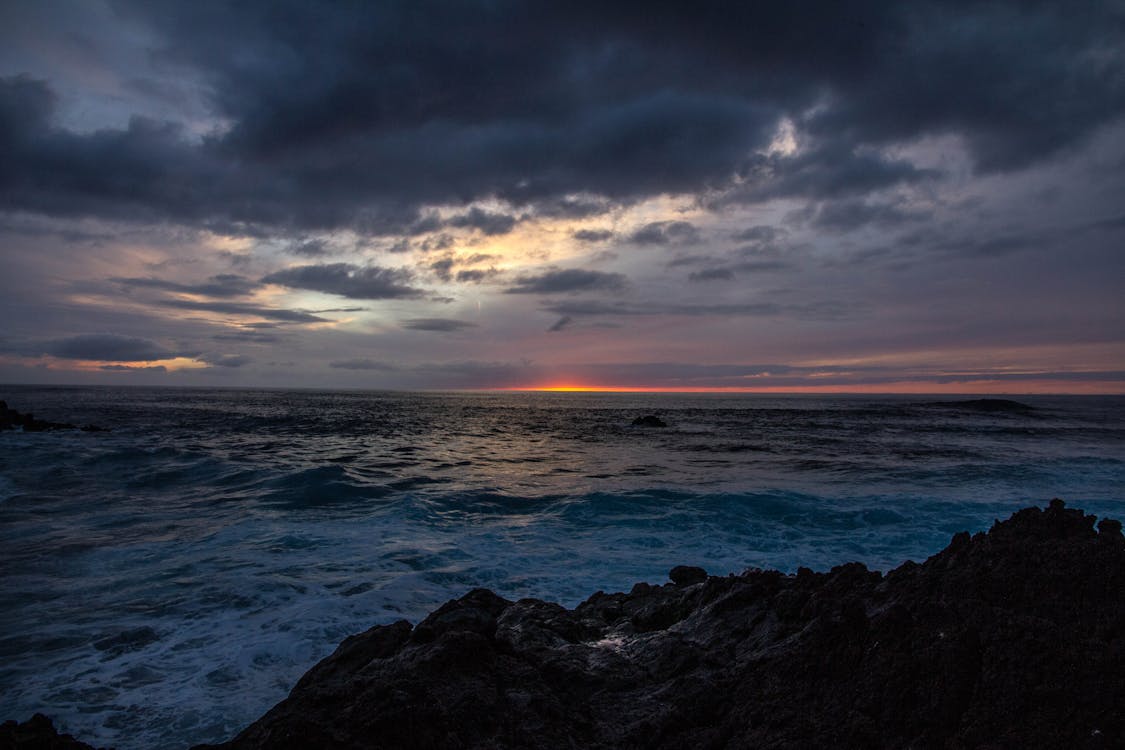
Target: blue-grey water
x,y
167,582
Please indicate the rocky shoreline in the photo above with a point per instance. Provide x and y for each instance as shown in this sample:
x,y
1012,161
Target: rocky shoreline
x,y
1013,638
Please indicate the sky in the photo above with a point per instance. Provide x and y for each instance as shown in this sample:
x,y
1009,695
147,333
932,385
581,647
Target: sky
x,y
494,194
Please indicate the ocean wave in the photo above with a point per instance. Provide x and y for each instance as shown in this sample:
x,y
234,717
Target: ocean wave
x,y
319,486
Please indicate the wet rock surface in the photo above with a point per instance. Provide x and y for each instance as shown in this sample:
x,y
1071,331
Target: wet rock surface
x,y
1014,638
1011,638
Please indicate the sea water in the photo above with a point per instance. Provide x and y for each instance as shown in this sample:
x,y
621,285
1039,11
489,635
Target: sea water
x,y
166,582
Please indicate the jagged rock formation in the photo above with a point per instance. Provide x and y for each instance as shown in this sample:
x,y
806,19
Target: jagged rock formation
x,y
1013,638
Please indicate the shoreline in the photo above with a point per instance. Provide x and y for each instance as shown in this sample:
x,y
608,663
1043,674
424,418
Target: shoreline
x,y
1010,637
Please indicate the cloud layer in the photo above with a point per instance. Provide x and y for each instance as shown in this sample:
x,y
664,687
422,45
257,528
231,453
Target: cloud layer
x,y
472,100
435,193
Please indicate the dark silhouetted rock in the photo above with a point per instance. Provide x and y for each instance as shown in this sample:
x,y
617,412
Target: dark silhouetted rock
x,y
1008,639
686,575
649,420
10,419
37,733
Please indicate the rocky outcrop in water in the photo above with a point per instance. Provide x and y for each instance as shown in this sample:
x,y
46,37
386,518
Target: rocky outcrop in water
x,y
649,420
1014,638
10,419
37,733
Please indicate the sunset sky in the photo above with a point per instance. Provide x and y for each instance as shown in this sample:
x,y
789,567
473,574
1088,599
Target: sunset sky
x,y
878,196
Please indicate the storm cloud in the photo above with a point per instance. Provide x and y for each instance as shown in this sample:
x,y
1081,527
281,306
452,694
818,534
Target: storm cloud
x,y
666,233
346,280
393,106
567,280
862,182
106,347
223,285
444,325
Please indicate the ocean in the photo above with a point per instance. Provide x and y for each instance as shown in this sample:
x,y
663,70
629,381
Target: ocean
x,y
166,582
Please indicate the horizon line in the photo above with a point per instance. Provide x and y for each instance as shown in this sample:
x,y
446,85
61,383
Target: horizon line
x,y
697,390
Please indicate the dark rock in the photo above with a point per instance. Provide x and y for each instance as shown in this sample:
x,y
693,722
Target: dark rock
x,y
685,575
10,419
1110,528
1011,638
37,733
649,420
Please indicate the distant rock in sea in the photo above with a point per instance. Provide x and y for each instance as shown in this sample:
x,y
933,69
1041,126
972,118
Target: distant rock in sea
x,y
649,420
10,419
1010,638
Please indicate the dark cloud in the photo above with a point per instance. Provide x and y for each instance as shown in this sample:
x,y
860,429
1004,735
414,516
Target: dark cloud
x,y
830,170
223,285
759,256
309,248
346,280
753,266
226,360
848,215
1018,81
437,242
666,233
592,235
25,106
107,347
689,260
479,258
250,337
763,256
362,115
759,233
243,308
443,268
568,280
476,275
596,307
561,323
738,266
487,222
712,274
127,368
570,207
437,324
362,364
